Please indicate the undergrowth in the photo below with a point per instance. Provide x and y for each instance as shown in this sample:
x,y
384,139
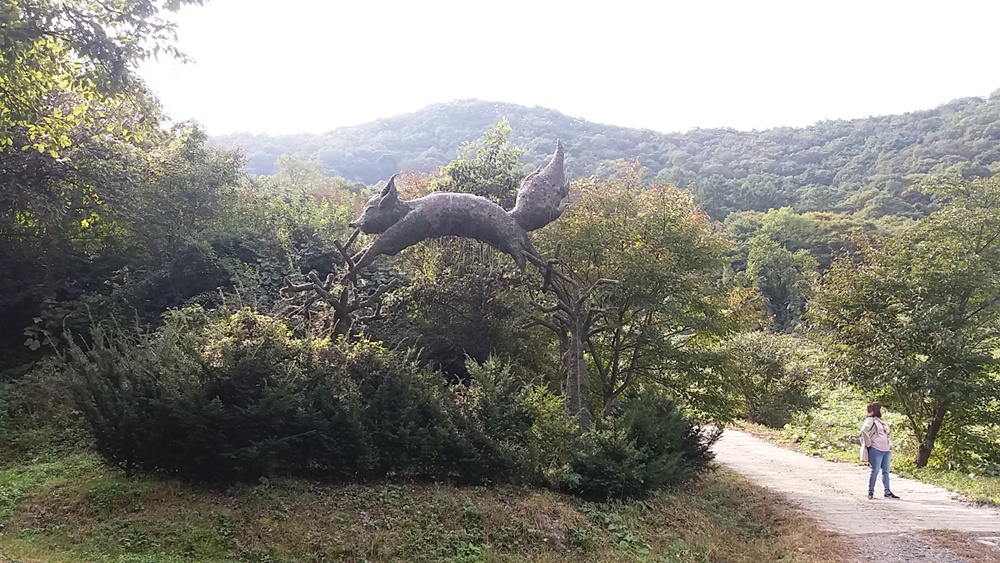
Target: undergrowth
x,y
79,510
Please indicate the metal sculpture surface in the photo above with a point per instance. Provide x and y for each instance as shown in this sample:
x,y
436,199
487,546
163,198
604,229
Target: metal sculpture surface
x,y
403,223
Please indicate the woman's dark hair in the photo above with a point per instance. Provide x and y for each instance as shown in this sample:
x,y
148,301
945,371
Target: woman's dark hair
x,y
875,409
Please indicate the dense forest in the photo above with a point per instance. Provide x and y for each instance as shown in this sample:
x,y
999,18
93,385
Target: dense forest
x,y
840,165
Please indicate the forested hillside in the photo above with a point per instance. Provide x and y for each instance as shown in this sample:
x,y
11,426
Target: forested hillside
x,y
861,164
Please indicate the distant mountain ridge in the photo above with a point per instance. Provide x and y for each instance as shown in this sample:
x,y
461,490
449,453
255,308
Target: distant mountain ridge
x,y
832,165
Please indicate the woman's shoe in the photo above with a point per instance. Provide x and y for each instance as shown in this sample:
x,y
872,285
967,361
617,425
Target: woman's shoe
x,y
889,494
871,495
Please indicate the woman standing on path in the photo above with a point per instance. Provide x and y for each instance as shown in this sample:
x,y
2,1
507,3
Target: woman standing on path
x,y
875,442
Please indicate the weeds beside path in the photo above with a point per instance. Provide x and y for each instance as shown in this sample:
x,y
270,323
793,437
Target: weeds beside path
x,y
78,510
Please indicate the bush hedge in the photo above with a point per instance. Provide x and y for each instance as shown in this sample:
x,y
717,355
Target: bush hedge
x,y
646,445
239,396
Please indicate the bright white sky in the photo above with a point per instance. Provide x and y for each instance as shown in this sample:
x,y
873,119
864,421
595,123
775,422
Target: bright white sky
x,y
309,66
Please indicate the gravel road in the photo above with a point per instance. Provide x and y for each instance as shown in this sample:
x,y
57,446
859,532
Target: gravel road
x,y
887,531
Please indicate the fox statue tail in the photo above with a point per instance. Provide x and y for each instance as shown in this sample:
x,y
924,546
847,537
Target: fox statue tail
x,y
539,199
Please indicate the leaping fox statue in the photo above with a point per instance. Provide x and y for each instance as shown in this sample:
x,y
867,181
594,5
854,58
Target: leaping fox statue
x,y
403,223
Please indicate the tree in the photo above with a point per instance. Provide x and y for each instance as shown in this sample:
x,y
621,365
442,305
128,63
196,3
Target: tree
x,y
914,319
78,132
781,252
664,255
300,174
492,173
782,277
63,59
767,375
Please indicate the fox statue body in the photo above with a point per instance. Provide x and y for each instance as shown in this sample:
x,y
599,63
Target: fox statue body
x,y
403,223
400,223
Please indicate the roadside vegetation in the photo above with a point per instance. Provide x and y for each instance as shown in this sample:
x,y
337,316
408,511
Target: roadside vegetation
x,y
77,509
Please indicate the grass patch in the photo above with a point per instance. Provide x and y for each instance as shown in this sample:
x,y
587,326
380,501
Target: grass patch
x,y
965,545
18,481
980,489
78,510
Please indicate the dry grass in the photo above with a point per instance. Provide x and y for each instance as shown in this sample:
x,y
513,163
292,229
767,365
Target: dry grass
x,y
965,545
95,514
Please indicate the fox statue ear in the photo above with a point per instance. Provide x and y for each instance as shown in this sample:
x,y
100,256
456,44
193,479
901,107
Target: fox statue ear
x,y
389,195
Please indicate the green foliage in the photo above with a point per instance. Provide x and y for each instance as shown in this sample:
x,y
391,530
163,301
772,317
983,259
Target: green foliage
x,y
37,416
864,165
768,375
914,319
65,61
666,304
492,173
240,397
782,277
464,300
551,438
646,445
110,230
780,254
972,442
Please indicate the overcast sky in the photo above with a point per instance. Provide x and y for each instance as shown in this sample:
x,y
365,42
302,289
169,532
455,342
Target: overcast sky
x,y
309,66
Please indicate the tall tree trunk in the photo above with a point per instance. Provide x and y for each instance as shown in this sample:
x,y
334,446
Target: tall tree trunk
x,y
927,444
576,382
609,401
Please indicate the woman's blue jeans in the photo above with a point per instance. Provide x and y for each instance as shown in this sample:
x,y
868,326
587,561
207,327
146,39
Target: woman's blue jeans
x,y
879,460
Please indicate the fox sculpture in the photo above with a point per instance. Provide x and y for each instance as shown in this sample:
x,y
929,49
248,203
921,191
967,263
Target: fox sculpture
x,y
403,223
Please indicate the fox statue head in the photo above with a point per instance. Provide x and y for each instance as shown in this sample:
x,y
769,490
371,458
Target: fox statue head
x,y
381,211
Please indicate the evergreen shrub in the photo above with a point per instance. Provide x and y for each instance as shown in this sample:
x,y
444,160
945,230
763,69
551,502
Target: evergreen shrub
x,y
238,397
646,445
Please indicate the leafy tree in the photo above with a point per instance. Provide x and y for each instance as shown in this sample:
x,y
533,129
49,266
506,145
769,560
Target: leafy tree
x,y
78,133
63,59
767,375
782,277
493,172
665,256
781,252
297,173
914,319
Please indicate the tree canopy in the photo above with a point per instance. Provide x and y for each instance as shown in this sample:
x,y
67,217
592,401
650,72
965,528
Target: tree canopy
x,y
915,317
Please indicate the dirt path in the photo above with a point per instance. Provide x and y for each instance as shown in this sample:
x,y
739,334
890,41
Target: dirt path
x,y
835,494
